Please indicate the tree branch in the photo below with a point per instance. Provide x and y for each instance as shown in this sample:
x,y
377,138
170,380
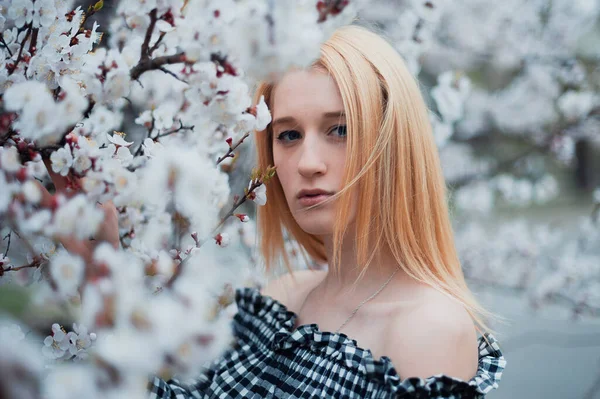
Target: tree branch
x,y
231,148
180,128
145,54
36,262
156,63
236,204
13,68
9,235
5,45
150,129
255,184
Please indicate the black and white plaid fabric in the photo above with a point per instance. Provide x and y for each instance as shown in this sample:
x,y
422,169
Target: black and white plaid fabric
x,y
269,360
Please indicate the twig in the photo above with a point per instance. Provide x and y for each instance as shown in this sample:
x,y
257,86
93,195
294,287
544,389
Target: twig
x,y
146,63
33,42
165,70
36,262
9,235
231,148
153,18
239,202
255,184
158,41
150,129
20,56
6,45
156,63
180,128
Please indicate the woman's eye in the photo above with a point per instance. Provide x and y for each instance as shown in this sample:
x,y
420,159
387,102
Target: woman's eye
x,y
288,135
341,131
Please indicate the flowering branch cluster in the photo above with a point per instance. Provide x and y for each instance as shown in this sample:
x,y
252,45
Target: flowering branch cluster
x,y
130,234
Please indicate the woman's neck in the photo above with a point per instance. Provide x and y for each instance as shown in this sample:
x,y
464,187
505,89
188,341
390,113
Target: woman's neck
x,y
341,286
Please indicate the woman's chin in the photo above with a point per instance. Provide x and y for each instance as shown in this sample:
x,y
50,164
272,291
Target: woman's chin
x,y
318,227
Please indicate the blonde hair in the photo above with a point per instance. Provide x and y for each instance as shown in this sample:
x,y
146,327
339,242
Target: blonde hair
x,y
392,165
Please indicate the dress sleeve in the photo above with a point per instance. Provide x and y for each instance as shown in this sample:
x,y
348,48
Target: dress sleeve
x,y
489,373
176,389
171,389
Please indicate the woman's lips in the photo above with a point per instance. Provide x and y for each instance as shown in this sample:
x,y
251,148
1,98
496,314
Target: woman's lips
x,y
313,199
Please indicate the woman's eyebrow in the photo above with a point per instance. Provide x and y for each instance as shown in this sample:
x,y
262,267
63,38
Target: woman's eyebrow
x,y
290,119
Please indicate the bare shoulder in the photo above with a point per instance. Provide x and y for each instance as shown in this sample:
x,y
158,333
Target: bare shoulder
x,y
436,337
287,287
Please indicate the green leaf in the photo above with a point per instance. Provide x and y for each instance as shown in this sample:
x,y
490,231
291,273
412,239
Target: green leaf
x,y
98,6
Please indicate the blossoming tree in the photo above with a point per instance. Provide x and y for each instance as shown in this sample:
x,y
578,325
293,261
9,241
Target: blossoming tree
x,y
176,76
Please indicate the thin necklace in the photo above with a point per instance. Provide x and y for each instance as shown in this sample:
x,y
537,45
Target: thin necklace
x,y
358,307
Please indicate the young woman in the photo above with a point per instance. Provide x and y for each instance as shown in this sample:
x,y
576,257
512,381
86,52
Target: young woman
x,y
359,186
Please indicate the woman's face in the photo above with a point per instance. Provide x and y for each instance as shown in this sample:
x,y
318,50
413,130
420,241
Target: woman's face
x,y
309,146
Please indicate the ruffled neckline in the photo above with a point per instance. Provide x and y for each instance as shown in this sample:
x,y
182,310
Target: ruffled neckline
x,y
273,328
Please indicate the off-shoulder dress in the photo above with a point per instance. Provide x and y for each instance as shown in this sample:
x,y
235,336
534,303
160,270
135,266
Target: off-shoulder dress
x,y
271,360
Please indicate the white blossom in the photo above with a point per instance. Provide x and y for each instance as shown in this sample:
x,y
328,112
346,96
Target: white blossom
x,y
151,147
21,11
9,159
118,140
57,344
575,105
32,192
450,95
11,332
260,194
62,160
77,217
19,95
44,13
80,341
67,271
263,115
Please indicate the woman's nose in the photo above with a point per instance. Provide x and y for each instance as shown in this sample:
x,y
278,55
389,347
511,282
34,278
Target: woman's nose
x,y
312,160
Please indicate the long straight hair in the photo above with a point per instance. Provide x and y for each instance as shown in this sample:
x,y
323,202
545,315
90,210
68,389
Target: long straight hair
x,y
392,169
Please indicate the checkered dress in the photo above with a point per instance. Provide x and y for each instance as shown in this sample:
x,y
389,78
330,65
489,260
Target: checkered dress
x,y
270,360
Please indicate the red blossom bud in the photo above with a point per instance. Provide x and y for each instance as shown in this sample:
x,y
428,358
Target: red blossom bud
x,y
229,141
71,139
22,174
33,154
252,111
242,216
168,17
217,13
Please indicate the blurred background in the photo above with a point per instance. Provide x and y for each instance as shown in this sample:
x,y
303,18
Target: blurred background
x,y
514,92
